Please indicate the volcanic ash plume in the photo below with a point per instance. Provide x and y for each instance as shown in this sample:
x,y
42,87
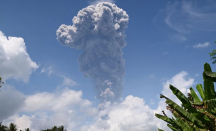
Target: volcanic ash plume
x,y
100,32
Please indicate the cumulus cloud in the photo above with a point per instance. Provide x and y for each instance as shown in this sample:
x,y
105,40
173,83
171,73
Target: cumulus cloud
x,y
56,101
206,44
100,32
14,59
67,107
22,121
46,110
134,114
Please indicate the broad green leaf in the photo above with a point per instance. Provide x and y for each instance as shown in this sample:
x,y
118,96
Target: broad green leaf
x,y
173,128
209,90
164,118
210,104
185,102
212,116
194,95
211,75
183,125
201,91
179,95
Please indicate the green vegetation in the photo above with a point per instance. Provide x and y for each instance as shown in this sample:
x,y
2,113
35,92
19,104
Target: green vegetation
x,y
212,54
13,127
1,82
194,114
55,128
3,127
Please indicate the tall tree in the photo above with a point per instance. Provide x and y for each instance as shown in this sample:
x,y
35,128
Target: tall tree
x,y
61,128
12,127
3,127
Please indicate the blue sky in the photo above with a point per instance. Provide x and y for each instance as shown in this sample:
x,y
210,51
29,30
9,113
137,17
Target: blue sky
x,y
167,42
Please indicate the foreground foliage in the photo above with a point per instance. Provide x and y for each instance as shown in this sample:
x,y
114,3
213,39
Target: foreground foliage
x,y
194,114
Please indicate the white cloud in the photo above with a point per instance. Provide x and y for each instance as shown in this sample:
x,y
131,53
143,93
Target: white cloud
x,y
95,2
67,107
14,59
131,114
197,75
206,44
49,70
120,116
49,109
22,122
68,82
54,101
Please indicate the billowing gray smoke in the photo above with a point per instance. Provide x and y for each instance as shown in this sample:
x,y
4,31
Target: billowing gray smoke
x,y
100,32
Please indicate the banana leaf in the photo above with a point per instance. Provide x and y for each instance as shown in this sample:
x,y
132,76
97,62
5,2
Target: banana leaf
x,y
185,102
209,90
183,125
194,95
173,128
210,75
201,91
164,118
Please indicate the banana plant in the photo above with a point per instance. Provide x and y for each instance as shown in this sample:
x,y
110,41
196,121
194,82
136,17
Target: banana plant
x,y
195,114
